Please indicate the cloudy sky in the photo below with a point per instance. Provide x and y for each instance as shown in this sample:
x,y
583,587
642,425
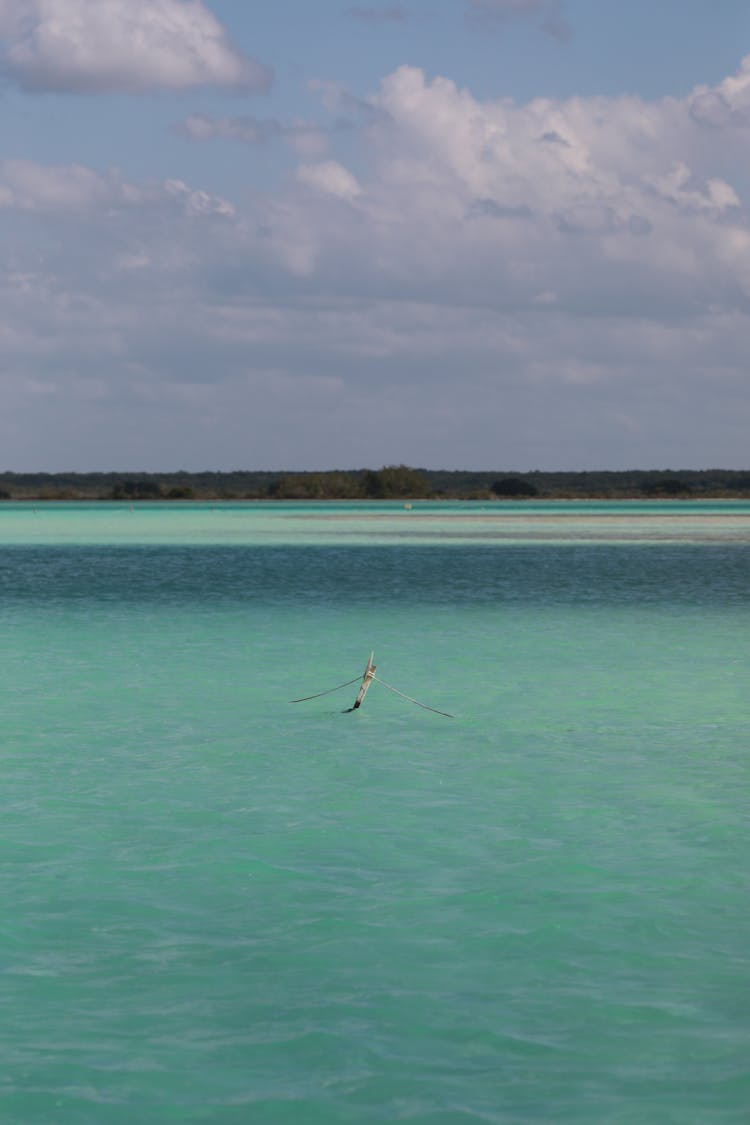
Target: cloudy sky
x,y
489,234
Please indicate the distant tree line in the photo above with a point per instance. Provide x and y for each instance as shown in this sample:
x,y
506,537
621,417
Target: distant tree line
x,y
387,483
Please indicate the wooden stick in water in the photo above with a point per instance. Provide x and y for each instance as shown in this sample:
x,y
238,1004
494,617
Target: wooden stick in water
x,y
367,679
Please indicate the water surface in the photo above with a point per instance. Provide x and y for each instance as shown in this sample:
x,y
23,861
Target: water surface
x,y
222,907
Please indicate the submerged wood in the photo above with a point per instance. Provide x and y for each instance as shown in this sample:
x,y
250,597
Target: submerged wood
x,y
367,679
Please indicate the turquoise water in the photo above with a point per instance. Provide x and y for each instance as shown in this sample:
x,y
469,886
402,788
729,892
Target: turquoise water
x,y
219,907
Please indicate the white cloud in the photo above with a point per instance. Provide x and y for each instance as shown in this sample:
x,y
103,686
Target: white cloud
x,y
479,282
329,178
121,45
304,138
203,127
678,186
495,192
727,104
197,202
26,185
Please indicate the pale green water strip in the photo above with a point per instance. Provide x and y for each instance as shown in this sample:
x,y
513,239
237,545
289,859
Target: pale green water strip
x,y
309,524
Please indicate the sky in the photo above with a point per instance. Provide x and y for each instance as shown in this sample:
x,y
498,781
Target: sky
x,y
459,234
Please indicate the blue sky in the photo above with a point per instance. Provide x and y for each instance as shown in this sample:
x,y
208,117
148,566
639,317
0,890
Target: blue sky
x,y
503,234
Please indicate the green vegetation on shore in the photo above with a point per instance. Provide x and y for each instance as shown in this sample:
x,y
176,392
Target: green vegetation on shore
x,y
389,482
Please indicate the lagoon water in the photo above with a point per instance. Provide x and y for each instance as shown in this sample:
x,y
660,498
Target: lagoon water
x,y
220,907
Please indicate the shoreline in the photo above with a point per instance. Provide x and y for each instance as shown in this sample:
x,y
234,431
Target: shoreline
x,y
520,502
